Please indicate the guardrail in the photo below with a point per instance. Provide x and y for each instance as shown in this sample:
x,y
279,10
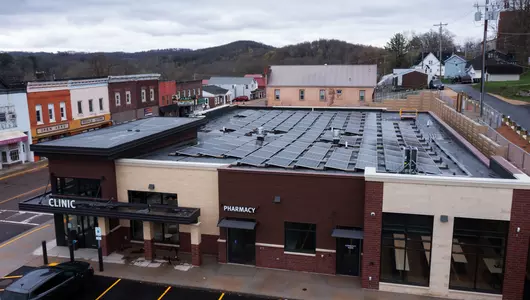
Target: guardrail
x,y
380,96
471,108
515,154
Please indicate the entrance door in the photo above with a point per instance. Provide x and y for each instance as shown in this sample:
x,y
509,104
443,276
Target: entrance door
x,y
348,256
84,228
241,246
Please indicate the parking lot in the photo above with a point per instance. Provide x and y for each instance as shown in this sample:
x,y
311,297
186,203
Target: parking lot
x,y
116,288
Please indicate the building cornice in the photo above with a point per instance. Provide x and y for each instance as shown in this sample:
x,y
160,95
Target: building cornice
x,y
138,77
132,162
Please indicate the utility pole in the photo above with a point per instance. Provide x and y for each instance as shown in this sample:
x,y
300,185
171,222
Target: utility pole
x,y
441,25
487,17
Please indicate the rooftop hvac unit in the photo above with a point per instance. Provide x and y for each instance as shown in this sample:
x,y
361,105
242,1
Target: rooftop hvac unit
x,y
410,160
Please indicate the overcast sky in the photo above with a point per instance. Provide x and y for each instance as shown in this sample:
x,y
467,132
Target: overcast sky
x,y
133,25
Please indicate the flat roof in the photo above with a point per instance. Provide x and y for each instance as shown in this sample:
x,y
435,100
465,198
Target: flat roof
x,y
302,140
111,140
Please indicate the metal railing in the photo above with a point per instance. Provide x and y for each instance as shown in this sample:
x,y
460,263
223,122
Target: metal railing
x,y
471,108
379,96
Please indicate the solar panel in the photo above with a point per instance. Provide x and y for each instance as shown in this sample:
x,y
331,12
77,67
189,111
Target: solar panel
x,y
307,163
253,161
280,162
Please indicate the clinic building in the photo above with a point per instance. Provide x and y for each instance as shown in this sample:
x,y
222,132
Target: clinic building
x,y
279,189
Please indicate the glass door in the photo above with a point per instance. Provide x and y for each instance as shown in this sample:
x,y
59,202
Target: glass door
x,y
348,256
241,246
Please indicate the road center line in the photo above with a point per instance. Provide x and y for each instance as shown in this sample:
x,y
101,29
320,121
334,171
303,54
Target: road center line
x,y
26,193
23,235
164,293
24,172
221,297
110,287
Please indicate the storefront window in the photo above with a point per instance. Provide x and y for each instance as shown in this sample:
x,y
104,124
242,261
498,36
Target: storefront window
x,y
300,237
14,155
79,187
477,260
164,233
406,248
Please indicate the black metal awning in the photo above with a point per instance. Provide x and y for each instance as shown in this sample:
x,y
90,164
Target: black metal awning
x,y
59,204
239,224
348,233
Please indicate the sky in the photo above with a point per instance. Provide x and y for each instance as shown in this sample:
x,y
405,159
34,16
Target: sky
x,y
134,25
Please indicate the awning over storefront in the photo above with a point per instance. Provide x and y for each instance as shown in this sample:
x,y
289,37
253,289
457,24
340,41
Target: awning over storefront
x,y
10,137
239,224
348,234
97,208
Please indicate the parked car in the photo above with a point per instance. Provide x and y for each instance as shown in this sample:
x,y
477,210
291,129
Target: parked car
x,y
240,99
59,282
436,84
466,79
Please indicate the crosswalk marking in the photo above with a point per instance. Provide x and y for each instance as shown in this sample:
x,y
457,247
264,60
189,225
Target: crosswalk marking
x,y
29,217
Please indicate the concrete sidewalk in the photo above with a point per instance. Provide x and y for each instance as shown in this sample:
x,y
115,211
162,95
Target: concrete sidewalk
x,y
22,168
246,280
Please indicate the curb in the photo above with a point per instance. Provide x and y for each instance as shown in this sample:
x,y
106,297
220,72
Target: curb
x,y
28,167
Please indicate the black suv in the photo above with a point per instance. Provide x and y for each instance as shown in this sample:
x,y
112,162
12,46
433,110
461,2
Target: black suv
x,y
58,282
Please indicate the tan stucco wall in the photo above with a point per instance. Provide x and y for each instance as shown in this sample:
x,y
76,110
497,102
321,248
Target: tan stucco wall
x,y
196,185
454,201
289,96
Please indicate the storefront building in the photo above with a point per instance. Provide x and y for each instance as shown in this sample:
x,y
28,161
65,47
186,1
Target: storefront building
x,y
167,90
133,97
90,104
296,196
15,131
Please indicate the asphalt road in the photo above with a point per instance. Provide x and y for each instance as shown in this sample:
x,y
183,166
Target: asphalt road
x,y
108,288
518,113
15,189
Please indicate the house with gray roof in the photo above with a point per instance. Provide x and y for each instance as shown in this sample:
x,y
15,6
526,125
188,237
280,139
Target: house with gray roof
x,y
238,86
321,85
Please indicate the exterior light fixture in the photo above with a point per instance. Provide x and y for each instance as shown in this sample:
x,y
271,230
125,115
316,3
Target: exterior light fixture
x,y
277,199
151,186
444,218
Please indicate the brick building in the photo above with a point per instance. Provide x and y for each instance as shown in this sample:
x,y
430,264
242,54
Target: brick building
x,y
323,191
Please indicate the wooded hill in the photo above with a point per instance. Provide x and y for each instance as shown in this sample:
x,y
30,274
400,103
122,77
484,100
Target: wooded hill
x,y
234,59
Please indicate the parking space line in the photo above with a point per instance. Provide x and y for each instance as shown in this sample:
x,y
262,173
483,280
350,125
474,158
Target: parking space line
x,y
221,297
12,277
1,290
110,287
164,293
23,235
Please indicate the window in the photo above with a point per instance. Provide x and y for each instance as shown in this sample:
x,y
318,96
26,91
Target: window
x,y
300,237
246,86
3,117
62,110
79,187
277,94
128,97
199,91
301,94
477,260
117,98
339,92
362,95
38,113
193,92
406,248
430,62
51,113
164,233
178,94
55,281
322,95
90,105
101,104
152,94
189,93
79,107
143,95
4,157
14,155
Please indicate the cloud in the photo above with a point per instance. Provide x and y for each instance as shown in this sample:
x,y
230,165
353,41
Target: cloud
x,y
134,25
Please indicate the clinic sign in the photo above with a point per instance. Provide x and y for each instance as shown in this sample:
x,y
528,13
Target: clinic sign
x,y
61,203
239,209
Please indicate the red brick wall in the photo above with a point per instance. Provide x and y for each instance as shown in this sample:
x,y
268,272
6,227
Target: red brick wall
x,y
272,257
149,248
116,239
221,256
185,242
209,244
372,234
517,247
196,258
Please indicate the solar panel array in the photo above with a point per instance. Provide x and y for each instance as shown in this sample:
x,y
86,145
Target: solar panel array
x,y
304,139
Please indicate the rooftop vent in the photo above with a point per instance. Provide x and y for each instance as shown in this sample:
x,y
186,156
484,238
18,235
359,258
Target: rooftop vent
x,y
261,134
336,136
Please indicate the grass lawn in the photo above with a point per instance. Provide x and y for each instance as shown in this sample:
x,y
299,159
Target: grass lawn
x,y
509,89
